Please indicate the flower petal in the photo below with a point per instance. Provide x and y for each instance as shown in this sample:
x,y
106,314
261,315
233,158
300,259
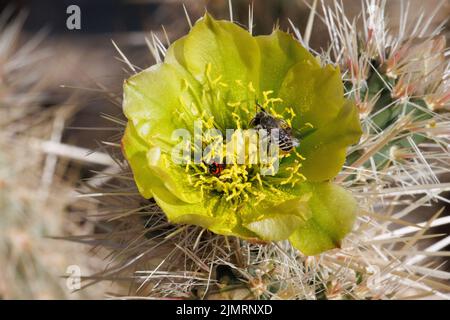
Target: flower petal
x,y
152,169
333,212
135,150
231,51
278,222
279,53
173,176
208,214
157,102
315,93
275,228
325,149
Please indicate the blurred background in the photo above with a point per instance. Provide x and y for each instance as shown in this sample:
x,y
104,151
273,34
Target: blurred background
x,y
58,90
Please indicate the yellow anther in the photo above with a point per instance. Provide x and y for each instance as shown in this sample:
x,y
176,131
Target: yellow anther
x,y
266,94
292,112
237,120
215,81
251,88
208,71
185,85
258,178
299,155
234,104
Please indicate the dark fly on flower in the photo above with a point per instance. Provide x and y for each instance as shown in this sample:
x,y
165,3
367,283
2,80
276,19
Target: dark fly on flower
x,y
264,120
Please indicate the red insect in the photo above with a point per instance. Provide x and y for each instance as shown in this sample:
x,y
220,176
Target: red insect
x,y
216,168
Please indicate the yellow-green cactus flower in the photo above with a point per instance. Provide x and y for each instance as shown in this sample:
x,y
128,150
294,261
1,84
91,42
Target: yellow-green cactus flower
x,y
213,77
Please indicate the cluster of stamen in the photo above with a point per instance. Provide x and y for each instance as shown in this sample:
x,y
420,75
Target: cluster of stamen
x,y
238,182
